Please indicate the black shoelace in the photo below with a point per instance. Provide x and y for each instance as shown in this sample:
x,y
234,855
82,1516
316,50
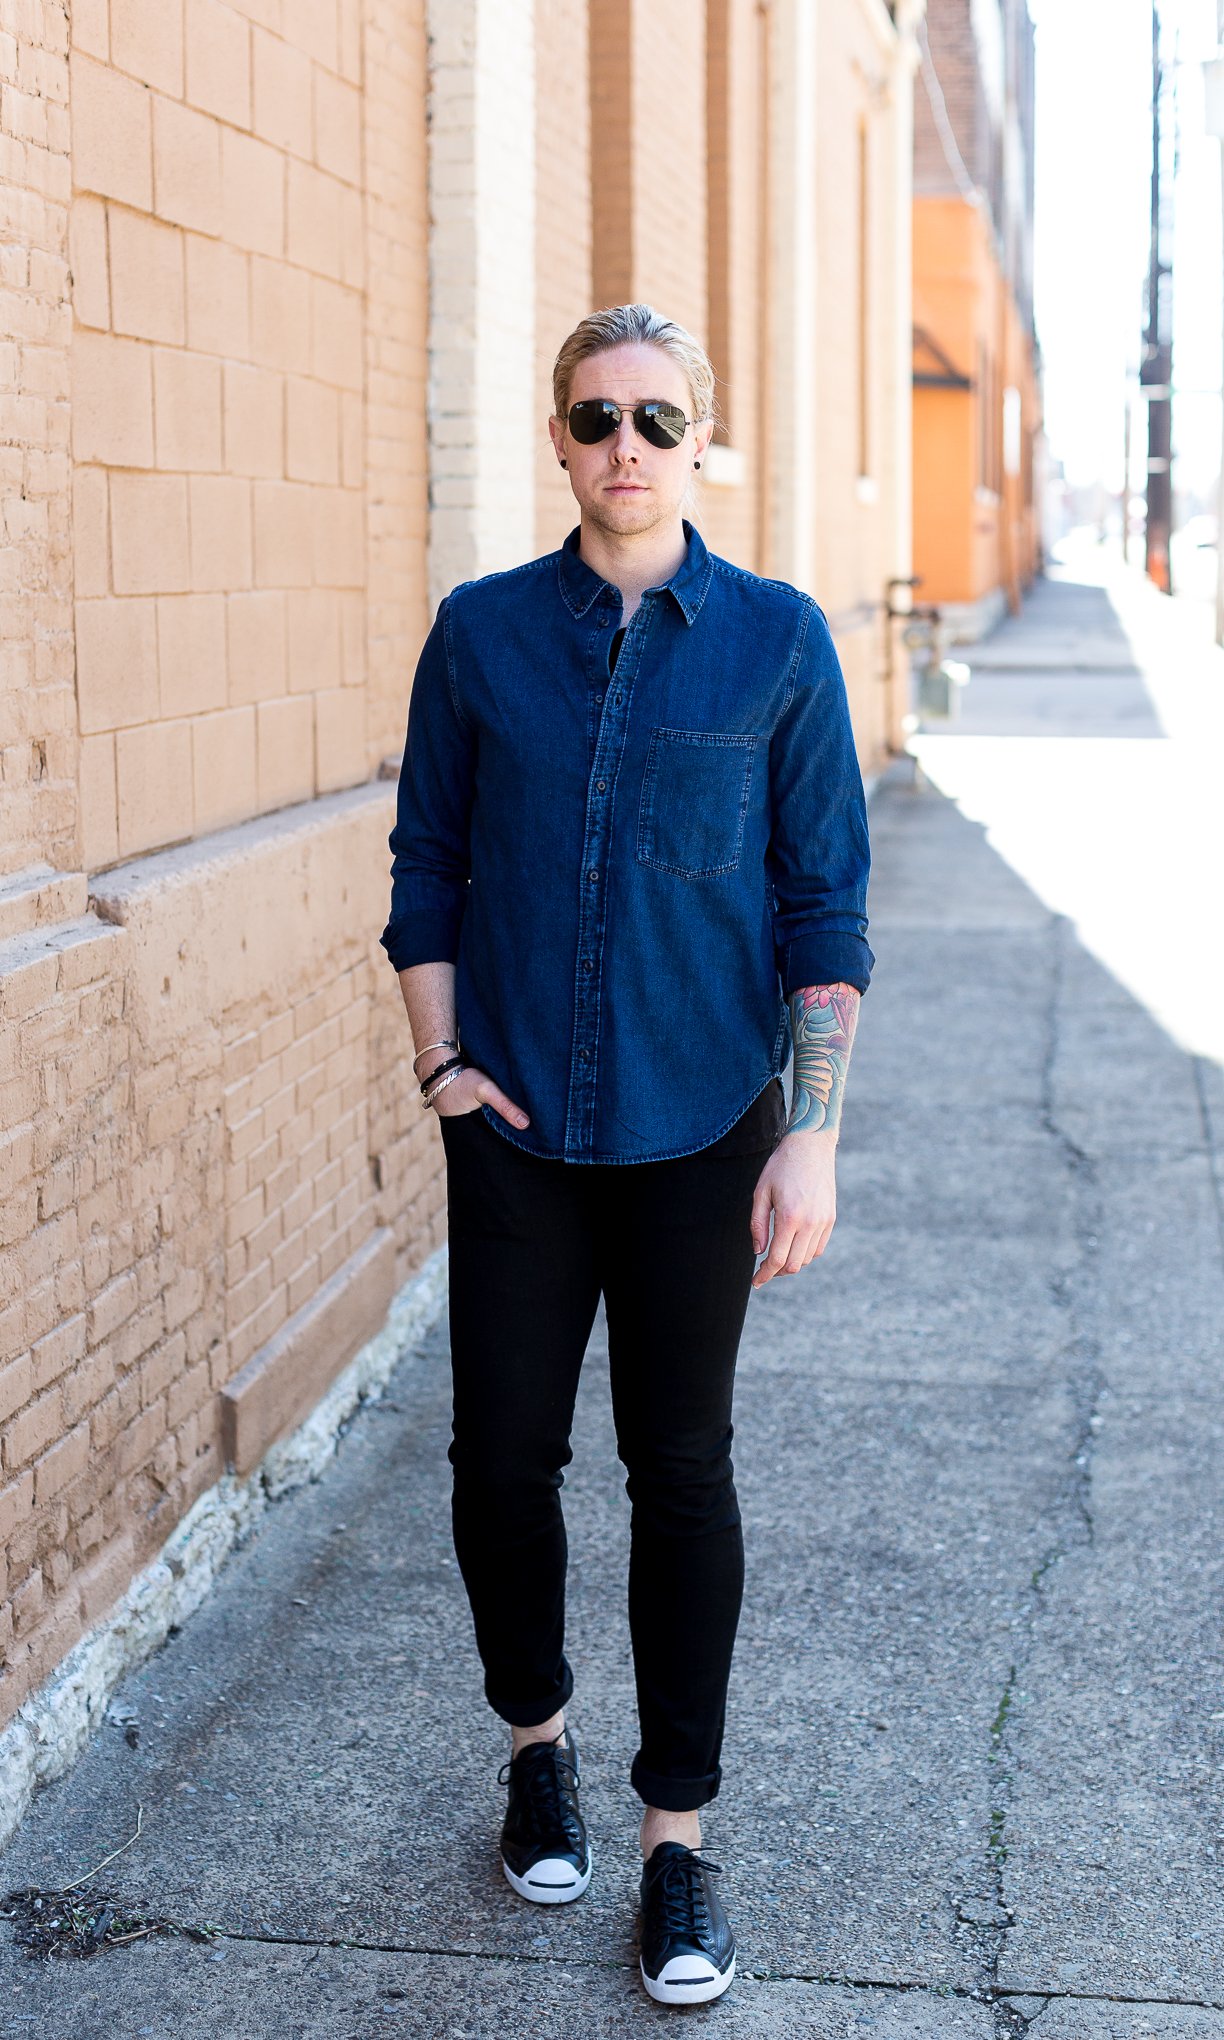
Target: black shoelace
x,y
679,1884
540,1785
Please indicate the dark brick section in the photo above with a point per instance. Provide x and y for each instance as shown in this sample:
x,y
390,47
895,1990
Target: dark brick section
x,y
980,112
953,50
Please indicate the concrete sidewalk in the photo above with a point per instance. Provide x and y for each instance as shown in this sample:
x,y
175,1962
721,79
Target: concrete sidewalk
x,y
973,1755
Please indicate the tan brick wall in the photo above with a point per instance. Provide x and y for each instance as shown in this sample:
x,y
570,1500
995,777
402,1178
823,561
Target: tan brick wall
x,y
295,1109
648,155
219,375
397,262
612,138
101,1306
206,1108
208,1114
669,157
38,748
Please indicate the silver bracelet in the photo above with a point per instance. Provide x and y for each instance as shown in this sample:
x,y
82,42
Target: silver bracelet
x,y
425,1051
449,1078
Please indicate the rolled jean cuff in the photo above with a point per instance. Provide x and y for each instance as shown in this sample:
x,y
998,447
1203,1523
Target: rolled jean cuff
x,y
530,1713
673,1795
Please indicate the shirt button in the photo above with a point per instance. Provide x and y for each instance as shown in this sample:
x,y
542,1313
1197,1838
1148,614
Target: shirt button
x,y
602,620
583,1055
601,785
593,876
598,698
587,964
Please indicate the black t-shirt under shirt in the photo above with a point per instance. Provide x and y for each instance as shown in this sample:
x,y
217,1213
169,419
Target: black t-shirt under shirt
x,y
618,638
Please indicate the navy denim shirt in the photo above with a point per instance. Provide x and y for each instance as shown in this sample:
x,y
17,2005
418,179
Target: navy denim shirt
x,y
630,869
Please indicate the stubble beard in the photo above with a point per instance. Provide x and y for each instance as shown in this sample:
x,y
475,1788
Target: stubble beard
x,y
627,517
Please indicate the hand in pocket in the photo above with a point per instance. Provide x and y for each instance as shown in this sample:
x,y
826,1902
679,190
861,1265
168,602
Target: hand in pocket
x,y
471,1089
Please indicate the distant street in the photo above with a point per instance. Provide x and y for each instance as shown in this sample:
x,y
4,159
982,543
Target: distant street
x,y
976,1745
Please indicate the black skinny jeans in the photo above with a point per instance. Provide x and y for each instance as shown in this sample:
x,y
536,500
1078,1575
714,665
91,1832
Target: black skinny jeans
x,y
533,1242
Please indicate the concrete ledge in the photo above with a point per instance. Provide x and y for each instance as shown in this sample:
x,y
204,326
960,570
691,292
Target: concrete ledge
x,y
38,895
48,1734
286,1377
42,961
121,886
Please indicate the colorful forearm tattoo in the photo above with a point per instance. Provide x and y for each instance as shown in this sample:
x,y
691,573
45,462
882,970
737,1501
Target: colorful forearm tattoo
x,y
823,1019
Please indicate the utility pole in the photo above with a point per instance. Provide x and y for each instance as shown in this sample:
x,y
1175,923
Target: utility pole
x,y
1156,368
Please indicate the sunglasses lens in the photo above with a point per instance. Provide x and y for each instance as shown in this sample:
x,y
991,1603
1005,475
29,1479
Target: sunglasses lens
x,y
596,418
663,425
592,420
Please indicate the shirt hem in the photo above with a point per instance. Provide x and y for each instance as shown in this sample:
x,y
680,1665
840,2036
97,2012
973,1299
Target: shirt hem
x,y
495,1120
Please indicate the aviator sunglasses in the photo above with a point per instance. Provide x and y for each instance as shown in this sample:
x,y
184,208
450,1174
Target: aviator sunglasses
x,y
597,418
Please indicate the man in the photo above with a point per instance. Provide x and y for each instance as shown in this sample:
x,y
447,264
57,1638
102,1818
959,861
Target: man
x,y
630,831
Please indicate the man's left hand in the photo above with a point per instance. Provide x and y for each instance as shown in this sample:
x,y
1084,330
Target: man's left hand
x,y
798,1185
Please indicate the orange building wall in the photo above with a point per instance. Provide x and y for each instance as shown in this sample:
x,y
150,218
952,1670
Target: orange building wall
x,y
974,525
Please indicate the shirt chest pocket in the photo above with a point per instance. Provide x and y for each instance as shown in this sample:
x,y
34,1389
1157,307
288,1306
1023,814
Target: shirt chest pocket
x,y
694,799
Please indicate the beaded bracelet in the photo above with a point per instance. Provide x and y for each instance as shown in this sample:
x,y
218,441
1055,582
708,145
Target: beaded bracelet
x,y
449,1079
454,1062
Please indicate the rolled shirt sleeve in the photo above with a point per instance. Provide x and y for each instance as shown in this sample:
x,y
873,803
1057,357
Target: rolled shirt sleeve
x,y
819,856
431,864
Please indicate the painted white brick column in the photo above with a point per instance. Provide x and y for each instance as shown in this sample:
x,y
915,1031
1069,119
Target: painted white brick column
x,y
481,411
791,453
909,14
900,455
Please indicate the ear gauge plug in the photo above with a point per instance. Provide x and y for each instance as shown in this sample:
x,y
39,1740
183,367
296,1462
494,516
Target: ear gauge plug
x,y
565,463
696,463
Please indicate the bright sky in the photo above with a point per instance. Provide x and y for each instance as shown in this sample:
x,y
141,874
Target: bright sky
x,y
1093,169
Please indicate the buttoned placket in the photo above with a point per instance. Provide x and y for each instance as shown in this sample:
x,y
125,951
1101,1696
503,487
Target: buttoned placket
x,y
612,698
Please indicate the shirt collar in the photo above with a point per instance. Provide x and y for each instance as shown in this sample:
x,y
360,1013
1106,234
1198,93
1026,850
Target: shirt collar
x,y
580,584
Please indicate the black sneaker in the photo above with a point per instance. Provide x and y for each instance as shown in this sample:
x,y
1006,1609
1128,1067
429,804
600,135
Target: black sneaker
x,y
688,1949
544,1849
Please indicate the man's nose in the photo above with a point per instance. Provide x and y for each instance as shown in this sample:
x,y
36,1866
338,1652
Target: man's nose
x,y
625,439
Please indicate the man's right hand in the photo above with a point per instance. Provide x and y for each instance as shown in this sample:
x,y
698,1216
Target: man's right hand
x,y
471,1089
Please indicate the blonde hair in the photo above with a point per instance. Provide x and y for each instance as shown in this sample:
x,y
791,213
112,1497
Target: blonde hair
x,y
613,326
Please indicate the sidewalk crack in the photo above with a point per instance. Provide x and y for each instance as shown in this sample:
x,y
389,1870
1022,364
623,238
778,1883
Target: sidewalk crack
x,y
988,1915
1214,1164
1039,1996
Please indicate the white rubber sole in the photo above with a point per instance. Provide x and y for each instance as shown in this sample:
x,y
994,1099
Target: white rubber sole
x,y
551,1881
688,1980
